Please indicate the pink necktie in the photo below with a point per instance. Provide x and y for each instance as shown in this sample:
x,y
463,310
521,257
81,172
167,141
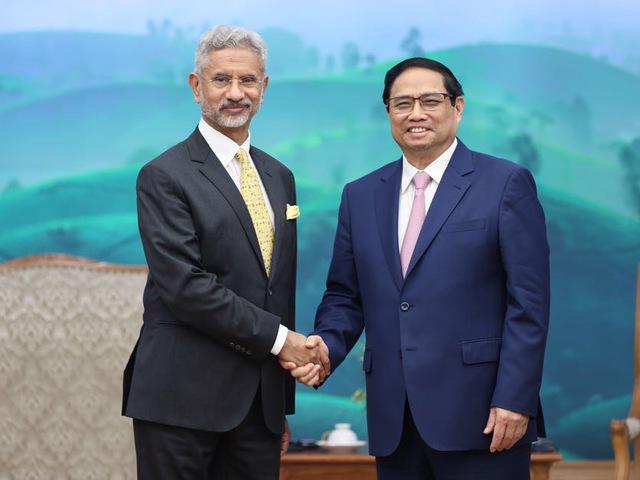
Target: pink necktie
x,y
416,219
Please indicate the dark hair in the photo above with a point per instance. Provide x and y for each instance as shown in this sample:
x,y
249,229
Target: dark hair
x,y
451,83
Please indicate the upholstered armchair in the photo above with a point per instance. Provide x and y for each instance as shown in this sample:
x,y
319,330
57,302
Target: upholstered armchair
x,y
67,326
626,432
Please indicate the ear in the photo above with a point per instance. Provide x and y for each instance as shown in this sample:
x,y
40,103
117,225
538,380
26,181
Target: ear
x,y
459,106
194,81
265,82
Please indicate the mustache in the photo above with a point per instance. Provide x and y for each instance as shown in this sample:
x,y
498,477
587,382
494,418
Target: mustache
x,y
230,103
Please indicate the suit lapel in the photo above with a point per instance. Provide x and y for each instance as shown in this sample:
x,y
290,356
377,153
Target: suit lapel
x,y
211,167
449,193
386,205
277,199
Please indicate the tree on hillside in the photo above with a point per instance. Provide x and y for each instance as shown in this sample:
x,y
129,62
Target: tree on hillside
x,y
580,118
160,29
152,29
179,34
66,239
11,186
412,43
370,61
526,151
330,64
542,120
313,58
166,28
630,158
350,56
289,55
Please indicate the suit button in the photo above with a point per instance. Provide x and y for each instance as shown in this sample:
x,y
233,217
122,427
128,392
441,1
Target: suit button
x,y
238,347
404,306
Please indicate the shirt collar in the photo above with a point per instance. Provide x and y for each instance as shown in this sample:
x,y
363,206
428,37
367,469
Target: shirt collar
x,y
435,169
223,147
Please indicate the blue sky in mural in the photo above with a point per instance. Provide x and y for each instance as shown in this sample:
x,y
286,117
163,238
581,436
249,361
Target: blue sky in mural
x,y
600,28
91,91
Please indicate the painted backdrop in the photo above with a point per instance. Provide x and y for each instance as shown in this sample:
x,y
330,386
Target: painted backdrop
x,y
88,93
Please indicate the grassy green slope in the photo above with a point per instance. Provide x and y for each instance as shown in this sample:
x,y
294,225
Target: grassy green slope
x,y
102,126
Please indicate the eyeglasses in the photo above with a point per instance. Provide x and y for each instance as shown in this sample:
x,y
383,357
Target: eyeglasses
x,y
246,82
428,102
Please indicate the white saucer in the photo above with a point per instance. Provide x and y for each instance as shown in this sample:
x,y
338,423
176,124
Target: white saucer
x,y
341,447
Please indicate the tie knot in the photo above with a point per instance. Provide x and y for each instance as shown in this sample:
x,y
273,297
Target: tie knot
x,y
421,180
242,156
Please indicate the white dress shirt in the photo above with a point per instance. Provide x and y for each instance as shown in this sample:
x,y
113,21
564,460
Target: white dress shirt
x,y
435,170
225,149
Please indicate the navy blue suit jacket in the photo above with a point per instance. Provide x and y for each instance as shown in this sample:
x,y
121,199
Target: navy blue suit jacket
x,y
466,329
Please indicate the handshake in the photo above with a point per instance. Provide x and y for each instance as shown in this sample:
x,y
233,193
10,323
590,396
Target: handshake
x,y
306,358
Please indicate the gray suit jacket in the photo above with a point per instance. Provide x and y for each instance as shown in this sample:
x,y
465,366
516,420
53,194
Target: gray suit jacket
x,y
211,313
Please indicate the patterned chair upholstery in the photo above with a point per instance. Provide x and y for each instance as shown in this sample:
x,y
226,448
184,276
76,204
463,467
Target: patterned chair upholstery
x,y
67,326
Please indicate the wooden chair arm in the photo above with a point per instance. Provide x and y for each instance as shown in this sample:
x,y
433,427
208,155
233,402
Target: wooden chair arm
x,y
620,442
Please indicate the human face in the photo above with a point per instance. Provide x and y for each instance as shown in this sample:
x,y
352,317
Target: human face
x,y
230,108
424,134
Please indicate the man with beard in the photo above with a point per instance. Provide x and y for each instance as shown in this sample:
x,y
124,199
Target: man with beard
x,y
217,222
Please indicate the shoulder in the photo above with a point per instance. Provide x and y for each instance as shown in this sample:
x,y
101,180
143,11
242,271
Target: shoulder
x,y
167,168
495,165
372,179
515,181
271,161
168,161
510,175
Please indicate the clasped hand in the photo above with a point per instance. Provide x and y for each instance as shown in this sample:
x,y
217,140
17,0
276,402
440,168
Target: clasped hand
x,y
306,358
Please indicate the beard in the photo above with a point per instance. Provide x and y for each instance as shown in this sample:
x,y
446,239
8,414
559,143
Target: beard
x,y
217,114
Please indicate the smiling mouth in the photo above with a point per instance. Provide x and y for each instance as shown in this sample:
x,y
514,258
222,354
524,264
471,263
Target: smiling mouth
x,y
417,130
235,108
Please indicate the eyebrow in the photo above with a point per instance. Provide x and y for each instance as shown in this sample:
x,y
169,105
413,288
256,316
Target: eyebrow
x,y
240,75
417,95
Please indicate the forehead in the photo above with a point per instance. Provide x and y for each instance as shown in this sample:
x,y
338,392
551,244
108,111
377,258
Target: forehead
x,y
234,59
417,80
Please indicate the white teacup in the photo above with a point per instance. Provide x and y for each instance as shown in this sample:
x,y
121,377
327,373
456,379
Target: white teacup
x,y
342,435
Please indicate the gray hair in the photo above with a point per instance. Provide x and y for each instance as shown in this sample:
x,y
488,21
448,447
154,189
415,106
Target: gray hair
x,y
224,36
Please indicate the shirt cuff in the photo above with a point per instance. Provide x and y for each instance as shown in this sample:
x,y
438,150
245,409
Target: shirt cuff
x,y
280,339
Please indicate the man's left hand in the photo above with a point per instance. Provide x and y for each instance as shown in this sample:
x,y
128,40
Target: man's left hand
x,y
286,437
508,427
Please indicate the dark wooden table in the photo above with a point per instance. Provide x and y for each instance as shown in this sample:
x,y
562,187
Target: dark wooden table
x,y
325,466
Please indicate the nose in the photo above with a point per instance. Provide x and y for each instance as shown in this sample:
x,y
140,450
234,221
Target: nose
x,y
234,92
417,113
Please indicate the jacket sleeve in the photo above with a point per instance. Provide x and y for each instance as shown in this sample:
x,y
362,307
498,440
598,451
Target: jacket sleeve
x,y
193,295
339,319
525,257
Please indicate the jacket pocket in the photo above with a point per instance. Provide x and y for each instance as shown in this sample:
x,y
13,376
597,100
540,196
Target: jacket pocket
x,y
478,224
481,350
366,361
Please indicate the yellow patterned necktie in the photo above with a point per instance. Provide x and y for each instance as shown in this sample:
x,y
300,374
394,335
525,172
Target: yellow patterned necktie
x,y
252,194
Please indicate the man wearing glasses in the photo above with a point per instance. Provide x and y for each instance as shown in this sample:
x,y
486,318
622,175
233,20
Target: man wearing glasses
x,y
442,258
217,222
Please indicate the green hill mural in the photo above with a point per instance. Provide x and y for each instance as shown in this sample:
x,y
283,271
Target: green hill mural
x,y
70,153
